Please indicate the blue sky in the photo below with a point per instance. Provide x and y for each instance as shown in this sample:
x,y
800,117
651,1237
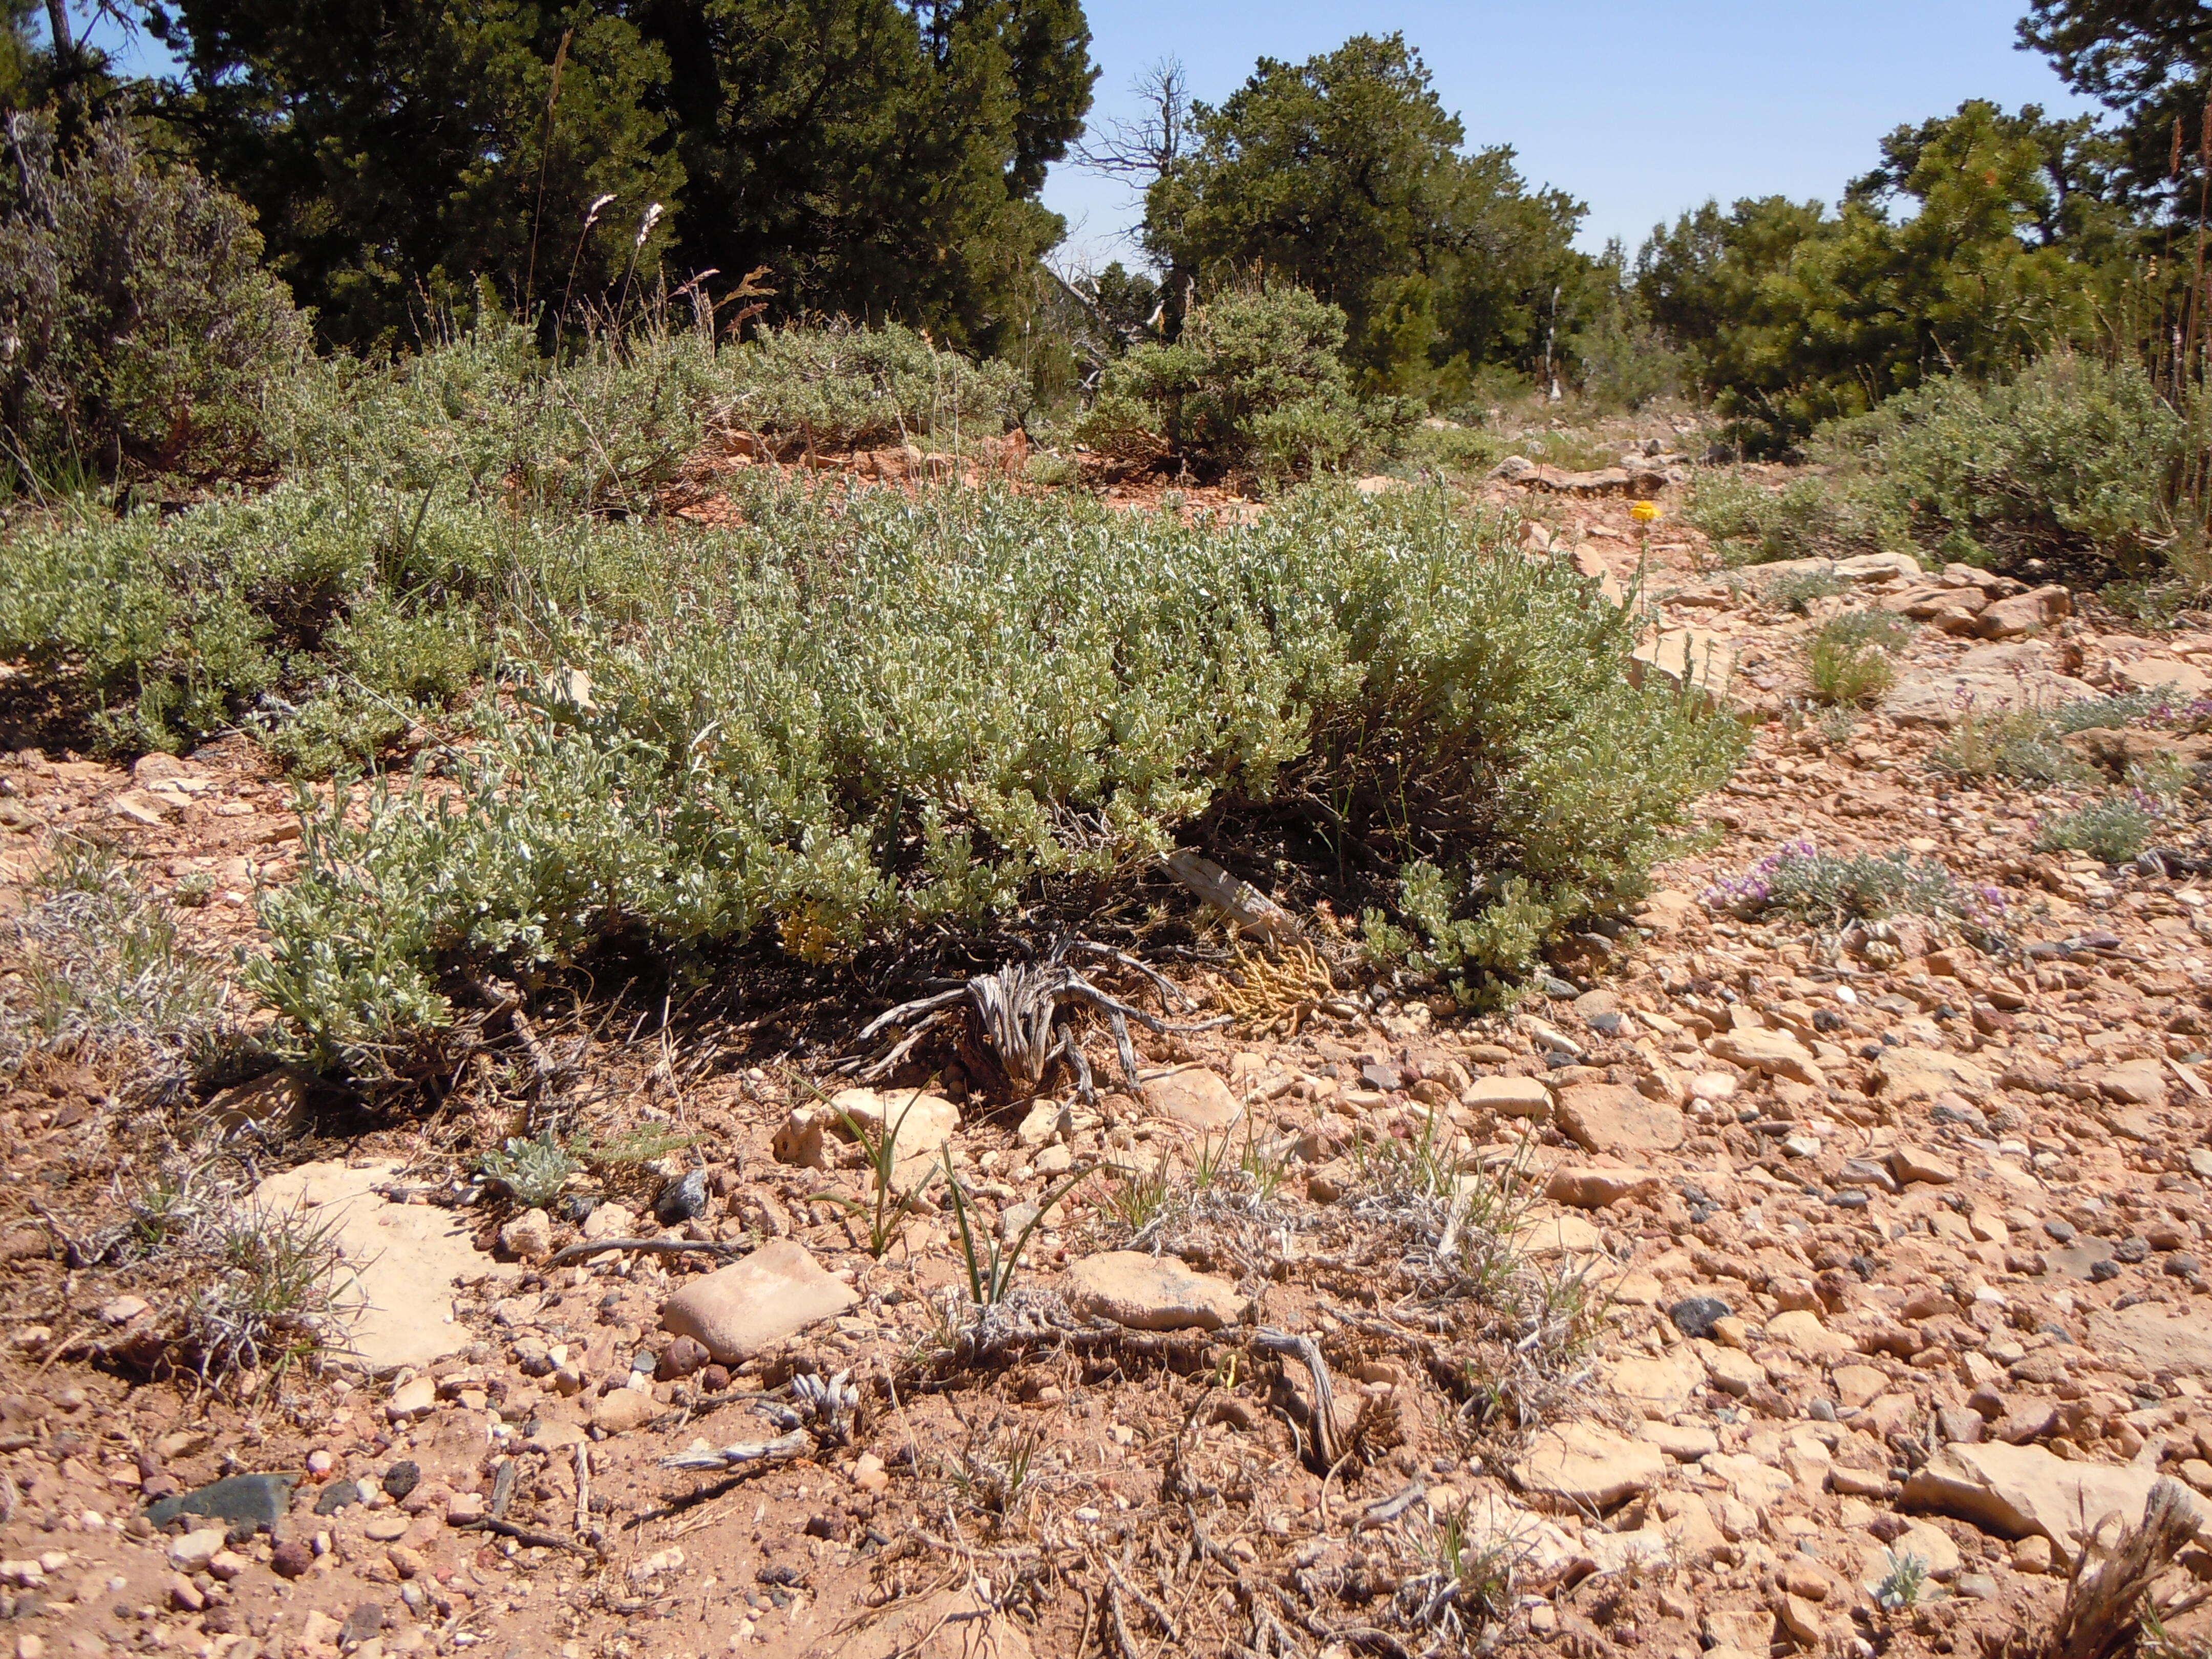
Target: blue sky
x,y
1638,110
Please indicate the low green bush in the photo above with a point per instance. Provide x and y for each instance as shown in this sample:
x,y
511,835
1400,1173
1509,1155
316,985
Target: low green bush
x,y
864,717
2113,830
1256,383
138,332
1817,515
842,386
2073,456
2072,459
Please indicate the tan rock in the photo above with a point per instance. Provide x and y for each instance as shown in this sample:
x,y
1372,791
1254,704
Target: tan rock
x,y
953,1624
274,1105
919,1123
611,1221
1686,1443
1592,1188
1731,1369
2181,681
2018,1490
1551,1237
1739,1630
2026,613
1804,1331
1613,1119
1910,1164
1776,1053
1580,1466
144,808
2138,1083
737,1310
1695,658
395,1292
1509,1097
1931,1545
801,1137
529,1236
191,1552
624,1409
1856,1385
1194,1096
1666,911
1759,1484
1657,1388
1910,1073
2162,1338
1150,1293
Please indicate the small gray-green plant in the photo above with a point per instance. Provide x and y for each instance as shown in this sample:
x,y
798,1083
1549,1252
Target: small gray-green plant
x,y
2103,713
2113,830
1828,890
1051,471
1849,660
532,1172
886,1209
993,1477
1135,1198
1468,1583
1900,1587
2009,743
1847,675
1798,589
629,1149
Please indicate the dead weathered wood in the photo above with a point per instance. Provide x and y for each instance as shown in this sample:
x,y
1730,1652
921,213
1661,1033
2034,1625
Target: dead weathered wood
x,y
1252,910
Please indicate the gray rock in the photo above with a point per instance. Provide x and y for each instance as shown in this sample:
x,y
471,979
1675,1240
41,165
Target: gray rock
x,y
681,1198
338,1495
401,1479
244,1500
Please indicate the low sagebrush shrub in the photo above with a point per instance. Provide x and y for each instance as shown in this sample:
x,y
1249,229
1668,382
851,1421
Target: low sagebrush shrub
x,y
870,716
841,386
2112,830
1816,515
1257,383
2074,456
139,330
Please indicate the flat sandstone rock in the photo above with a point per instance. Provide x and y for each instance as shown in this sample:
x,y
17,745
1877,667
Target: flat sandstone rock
x,y
776,1291
1150,1293
396,1292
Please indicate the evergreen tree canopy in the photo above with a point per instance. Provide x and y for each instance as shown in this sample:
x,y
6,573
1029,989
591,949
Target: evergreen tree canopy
x,y
2150,60
1982,239
1343,174
881,158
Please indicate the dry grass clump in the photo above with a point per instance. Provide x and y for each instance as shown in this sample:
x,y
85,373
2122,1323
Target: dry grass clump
x,y
104,975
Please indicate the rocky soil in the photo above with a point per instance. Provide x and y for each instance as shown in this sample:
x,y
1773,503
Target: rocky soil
x,y
1765,1286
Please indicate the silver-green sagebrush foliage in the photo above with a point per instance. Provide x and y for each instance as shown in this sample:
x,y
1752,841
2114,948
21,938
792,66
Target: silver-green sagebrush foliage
x,y
852,717
870,715
1257,383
